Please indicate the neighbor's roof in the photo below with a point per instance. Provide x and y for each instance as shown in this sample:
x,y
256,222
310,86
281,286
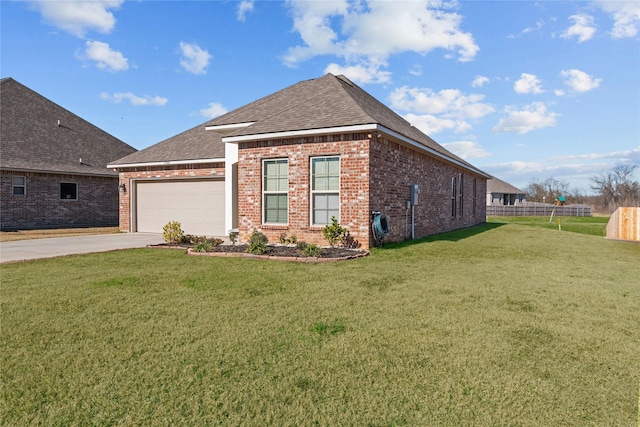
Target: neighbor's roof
x,y
495,185
39,135
311,106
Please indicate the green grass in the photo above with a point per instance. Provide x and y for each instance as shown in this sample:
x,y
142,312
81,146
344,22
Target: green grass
x,y
502,324
591,225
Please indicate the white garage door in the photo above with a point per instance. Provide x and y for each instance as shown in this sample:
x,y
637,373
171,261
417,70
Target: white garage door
x,y
197,204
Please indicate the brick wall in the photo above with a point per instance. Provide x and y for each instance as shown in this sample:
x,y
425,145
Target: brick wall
x,y
41,207
354,185
159,172
395,167
374,175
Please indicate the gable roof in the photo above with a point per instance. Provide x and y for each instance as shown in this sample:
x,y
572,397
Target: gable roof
x,y
495,185
38,135
324,105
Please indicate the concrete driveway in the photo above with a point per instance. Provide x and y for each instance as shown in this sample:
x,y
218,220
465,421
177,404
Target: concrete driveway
x,y
22,250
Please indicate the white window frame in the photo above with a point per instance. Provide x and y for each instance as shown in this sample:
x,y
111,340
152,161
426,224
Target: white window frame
x,y
315,192
266,192
23,186
460,195
60,191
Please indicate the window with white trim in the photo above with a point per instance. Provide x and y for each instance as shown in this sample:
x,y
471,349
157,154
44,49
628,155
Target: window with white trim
x,y
325,189
473,206
454,194
275,188
68,191
460,187
19,185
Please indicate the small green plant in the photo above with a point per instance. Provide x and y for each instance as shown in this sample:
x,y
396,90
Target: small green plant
x,y
172,232
205,246
258,243
334,233
312,250
233,237
284,240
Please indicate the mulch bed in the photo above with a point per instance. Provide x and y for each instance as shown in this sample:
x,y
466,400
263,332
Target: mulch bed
x,y
279,252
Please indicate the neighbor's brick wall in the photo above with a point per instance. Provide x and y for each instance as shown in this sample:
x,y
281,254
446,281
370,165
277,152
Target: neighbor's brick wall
x,y
395,167
160,172
96,206
354,185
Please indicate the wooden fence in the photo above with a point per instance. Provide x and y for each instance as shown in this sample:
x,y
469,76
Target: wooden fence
x,y
538,210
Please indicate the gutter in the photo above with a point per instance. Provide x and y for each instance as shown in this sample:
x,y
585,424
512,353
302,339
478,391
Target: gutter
x,y
165,163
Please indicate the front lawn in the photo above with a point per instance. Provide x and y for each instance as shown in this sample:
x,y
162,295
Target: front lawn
x,y
502,324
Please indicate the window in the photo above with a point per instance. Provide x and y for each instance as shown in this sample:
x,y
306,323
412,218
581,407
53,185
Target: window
x,y
460,187
19,185
325,189
454,194
473,206
68,191
275,191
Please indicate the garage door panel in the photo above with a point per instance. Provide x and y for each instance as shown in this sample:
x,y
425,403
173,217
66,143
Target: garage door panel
x,y
198,205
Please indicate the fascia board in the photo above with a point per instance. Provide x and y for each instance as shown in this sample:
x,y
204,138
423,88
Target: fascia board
x,y
294,133
166,163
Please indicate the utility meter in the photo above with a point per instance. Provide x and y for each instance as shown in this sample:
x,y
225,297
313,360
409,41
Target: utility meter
x,y
415,190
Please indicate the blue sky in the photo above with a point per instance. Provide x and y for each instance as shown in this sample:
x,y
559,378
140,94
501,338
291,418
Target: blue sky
x,y
523,90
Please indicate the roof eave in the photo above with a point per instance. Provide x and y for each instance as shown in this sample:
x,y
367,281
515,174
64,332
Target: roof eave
x,y
117,166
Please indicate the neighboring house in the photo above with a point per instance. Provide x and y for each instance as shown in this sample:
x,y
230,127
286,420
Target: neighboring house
x,y
502,193
53,164
287,163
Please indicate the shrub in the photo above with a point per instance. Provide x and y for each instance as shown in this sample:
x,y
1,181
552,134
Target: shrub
x,y
334,233
311,249
190,239
172,232
258,243
207,245
233,237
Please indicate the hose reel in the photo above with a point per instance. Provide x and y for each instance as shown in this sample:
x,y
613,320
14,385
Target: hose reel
x,y
379,228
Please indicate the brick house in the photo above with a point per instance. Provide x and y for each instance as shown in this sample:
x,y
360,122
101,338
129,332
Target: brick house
x,y
503,193
53,164
287,163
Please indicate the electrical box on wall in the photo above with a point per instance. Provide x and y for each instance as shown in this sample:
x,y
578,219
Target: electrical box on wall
x,y
414,191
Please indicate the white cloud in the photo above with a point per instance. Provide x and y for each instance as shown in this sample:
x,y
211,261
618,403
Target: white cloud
x,y
580,81
433,112
480,81
538,26
370,31
449,102
78,17
105,57
416,70
583,27
361,74
194,59
430,124
467,149
532,117
134,99
528,83
213,110
244,7
626,15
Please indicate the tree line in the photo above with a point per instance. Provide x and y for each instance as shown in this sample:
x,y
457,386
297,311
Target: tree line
x,y
612,189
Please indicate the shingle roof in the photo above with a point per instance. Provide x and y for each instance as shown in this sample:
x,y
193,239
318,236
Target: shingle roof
x,y
495,185
39,135
322,103
194,144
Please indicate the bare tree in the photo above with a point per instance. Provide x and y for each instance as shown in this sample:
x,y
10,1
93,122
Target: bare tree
x,y
548,190
617,188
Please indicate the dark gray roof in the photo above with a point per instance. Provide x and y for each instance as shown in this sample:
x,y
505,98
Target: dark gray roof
x,y
194,144
495,185
326,102
39,135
